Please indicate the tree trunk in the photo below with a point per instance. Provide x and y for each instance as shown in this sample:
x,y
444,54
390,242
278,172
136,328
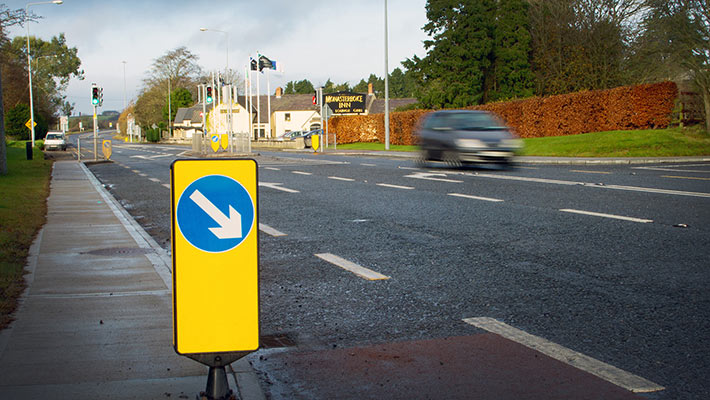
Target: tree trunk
x,y
3,151
706,100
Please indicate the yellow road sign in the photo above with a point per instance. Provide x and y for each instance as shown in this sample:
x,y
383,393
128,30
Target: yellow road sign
x,y
315,142
225,141
214,142
106,147
215,256
28,124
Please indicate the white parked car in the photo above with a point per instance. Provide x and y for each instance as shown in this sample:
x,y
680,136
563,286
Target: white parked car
x,y
55,141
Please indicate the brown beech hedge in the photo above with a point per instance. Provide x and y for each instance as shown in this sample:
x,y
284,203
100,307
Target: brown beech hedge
x,y
623,108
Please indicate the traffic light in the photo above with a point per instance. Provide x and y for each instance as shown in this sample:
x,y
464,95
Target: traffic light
x,y
95,95
208,97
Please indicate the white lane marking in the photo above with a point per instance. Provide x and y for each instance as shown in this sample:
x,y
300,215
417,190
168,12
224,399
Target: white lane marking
x,y
337,178
432,177
274,185
590,172
167,185
302,173
368,165
356,269
596,214
578,360
678,170
272,168
270,231
685,177
136,171
573,183
158,155
154,180
468,196
410,168
394,186
142,174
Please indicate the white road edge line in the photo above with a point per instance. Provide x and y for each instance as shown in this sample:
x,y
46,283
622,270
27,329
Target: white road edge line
x,y
596,214
468,196
302,173
387,185
270,231
337,178
578,360
356,269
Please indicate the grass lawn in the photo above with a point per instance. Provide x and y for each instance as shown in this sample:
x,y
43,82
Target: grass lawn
x,y
671,142
23,209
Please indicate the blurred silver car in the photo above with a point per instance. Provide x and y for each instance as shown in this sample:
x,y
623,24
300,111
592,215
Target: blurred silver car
x,y
459,137
55,141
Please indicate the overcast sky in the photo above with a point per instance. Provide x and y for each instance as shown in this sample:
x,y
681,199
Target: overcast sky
x,y
312,39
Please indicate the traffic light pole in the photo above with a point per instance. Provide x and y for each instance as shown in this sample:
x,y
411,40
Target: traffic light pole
x,y
95,135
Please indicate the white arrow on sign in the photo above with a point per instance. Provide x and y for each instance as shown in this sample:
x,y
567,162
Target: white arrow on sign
x,y
229,227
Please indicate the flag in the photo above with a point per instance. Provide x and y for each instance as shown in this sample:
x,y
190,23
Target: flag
x,y
253,64
265,63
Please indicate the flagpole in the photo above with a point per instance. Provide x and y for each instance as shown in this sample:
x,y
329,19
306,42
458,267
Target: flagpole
x,y
258,98
268,97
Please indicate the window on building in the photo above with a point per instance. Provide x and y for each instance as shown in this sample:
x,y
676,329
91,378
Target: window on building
x,y
287,116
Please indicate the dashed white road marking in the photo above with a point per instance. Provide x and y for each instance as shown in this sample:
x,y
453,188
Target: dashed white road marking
x,y
368,165
337,178
356,269
136,171
573,183
676,169
273,168
143,175
596,214
590,172
274,185
685,177
395,186
578,360
468,196
302,173
155,179
270,231
167,185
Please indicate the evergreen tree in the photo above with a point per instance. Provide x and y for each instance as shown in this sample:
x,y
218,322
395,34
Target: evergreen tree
x,y
512,76
459,56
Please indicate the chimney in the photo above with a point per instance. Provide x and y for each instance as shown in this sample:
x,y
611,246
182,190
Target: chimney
x,y
369,89
279,92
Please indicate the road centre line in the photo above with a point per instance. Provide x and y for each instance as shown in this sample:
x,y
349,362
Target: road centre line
x,y
685,177
394,186
350,266
337,178
577,360
468,196
590,172
302,173
274,185
596,214
573,183
432,177
272,168
155,180
270,231
368,165
167,185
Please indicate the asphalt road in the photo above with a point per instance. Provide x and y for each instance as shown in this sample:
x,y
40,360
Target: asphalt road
x,y
610,261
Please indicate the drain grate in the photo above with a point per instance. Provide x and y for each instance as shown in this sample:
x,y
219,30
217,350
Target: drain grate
x,y
277,340
115,251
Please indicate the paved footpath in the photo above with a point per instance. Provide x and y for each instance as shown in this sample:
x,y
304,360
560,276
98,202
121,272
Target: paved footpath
x,y
96,319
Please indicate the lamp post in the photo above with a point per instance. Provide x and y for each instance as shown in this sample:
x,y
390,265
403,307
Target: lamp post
x,y
29,61
226,72
387,88
227,35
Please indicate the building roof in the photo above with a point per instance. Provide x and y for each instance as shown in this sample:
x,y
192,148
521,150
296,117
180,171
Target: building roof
x,y
286,102
190,113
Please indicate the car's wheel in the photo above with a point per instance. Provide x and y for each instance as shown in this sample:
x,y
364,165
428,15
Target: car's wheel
x,y
451,158
422,158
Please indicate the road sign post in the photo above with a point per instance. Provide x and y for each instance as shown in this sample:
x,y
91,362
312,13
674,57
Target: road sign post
x,y
215,263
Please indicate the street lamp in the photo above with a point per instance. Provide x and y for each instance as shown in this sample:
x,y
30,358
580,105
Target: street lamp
x,y
387,88
227,34
29,61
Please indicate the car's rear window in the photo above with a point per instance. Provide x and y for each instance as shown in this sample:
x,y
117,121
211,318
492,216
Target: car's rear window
x,y
464,120
52,136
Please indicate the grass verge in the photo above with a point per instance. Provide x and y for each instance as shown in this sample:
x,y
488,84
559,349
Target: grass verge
x,y
23,210
670,142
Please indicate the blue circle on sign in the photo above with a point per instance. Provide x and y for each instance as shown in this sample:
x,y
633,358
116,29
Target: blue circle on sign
x,y
215,138
215,213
